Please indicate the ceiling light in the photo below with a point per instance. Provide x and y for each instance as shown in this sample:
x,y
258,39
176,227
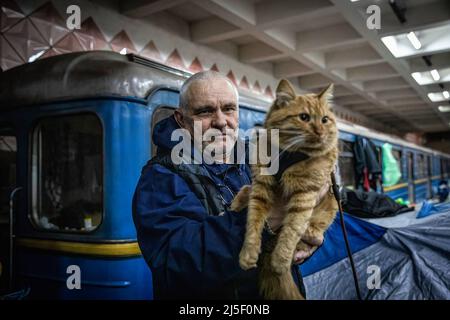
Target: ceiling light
x,y
391,43
435,96
446,94
435,74
417,76
414,40
444,108
123,51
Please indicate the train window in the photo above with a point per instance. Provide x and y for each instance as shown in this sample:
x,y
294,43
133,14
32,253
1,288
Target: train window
x,y
346,164
8,149
67,173
421,166
398,157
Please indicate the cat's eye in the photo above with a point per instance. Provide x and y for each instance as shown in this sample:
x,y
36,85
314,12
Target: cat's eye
x,y
325,119
305,117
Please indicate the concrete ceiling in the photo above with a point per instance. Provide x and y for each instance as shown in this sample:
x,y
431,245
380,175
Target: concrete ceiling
x,y
313,43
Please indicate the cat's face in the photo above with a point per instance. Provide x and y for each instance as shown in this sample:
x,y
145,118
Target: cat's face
x,y
306,122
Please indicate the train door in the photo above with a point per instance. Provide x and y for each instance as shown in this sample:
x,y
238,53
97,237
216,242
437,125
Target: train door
x,y
8,193
411,189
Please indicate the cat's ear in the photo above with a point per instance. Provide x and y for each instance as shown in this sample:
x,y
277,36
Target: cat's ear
x,y
285,93
326,94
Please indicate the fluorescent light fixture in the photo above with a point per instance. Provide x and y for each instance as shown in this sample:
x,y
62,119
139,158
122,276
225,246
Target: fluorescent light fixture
x,y
446,94
435,96
414,40
435,74
444,108
417,76
391,43
123,51
354,0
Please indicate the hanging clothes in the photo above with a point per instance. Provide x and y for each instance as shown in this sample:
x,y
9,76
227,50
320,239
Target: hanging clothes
x,y
367,167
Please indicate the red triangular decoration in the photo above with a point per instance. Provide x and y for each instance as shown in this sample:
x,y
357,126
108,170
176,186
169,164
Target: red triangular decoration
x,y
257,87
231,76
195,66
214,68
244,83
268,92
174,60
151,52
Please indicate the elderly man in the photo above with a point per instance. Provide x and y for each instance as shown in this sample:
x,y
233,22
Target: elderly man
x,y
187,234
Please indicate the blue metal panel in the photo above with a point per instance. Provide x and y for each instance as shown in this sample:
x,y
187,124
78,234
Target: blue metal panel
x,y
249,118
398,193
126,149
421,192
46,274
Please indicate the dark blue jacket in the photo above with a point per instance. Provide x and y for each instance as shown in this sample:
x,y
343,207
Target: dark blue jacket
x,y
192,255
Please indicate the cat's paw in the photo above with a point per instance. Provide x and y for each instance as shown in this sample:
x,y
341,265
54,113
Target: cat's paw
x,y
242,198
313,237
248,257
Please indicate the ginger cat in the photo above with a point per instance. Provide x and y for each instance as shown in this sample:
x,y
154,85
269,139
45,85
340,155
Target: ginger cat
x,y
306,124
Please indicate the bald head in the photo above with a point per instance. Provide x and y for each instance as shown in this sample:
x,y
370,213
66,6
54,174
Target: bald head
x,y
199,80
210,100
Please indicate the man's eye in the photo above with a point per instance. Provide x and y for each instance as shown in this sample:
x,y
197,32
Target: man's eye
x,y
203,112
229,109
305,117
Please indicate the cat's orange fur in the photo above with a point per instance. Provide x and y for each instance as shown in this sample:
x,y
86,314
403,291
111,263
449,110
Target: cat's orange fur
x,y
296,192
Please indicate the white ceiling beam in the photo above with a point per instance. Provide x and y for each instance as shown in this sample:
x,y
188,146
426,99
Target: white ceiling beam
x,y
385,84
328,38
372,72
214,29
397,93
358,56
258,52
284,42
351,100
359,23
439,61
313,81
290,69
418,18
403,101
340,91
143,8
270,14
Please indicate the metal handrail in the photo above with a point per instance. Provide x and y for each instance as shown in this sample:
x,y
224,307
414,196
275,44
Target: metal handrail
x,y
11,234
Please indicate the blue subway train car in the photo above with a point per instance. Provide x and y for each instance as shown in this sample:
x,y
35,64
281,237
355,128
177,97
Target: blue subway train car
x,y
75,131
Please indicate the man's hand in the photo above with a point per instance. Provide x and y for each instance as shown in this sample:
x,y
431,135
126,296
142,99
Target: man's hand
x,y
308,247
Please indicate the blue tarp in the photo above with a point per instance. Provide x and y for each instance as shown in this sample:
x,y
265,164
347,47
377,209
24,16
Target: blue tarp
x,y
413,262
361,234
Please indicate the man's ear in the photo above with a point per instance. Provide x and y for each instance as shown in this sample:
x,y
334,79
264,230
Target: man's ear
x,y
284,94
179,117
326,94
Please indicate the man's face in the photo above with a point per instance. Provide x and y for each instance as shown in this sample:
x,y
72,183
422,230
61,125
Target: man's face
x,y
212,105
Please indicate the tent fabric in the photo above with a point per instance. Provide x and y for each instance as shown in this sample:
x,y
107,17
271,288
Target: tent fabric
x,y
361,234
414,263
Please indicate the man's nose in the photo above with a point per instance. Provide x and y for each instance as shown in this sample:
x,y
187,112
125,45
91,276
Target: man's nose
x,y
219,120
